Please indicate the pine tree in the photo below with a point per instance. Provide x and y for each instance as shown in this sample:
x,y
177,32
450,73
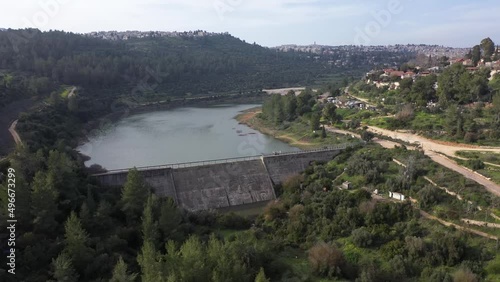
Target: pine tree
x,y
90,201
148,261
149,225
43,204
120,273
329,113
476,54
170,217
76,242
487,48
315,121
134,195
261,276
224,265
193,260
85,215
172,262
102,217
63,269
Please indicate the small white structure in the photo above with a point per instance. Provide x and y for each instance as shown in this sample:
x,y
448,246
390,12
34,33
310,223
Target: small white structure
x,y
346,186
397,196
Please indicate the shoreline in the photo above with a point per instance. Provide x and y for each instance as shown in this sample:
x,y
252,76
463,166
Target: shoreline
x,y
96,124
247,116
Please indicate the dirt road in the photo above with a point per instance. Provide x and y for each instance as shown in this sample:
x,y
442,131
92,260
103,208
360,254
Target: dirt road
x,y
488,184
446,223
13,132
431,149
480,223
428,144
363,100
72,92
284,91
384,143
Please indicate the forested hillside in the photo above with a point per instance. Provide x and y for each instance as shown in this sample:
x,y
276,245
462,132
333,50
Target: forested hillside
x,y
37,65
177,65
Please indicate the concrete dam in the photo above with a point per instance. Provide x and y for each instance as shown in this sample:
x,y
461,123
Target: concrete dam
x,y
223,183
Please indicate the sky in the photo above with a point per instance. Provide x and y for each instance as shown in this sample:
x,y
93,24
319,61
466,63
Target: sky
x,y
455,23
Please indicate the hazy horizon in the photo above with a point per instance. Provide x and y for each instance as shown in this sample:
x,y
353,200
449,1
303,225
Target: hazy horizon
x,y
460,24
284,44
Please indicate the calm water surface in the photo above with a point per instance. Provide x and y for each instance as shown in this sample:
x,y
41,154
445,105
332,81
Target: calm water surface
x,y
178,135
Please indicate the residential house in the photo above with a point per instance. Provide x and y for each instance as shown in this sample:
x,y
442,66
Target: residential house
x,y
468,63
434,69
389,71
398,73
408,74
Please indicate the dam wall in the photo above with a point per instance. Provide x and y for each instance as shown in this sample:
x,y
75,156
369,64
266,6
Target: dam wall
x,y
159,179
222,184
282,167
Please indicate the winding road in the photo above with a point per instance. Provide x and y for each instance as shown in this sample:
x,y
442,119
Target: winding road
x,y
13,132
72,92
438,151
435,150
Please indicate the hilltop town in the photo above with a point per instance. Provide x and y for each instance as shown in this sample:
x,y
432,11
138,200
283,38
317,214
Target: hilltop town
x,y
391,77
131,34
432,50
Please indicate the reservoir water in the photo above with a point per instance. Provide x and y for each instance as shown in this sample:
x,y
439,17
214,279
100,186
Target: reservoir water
x,y
177,136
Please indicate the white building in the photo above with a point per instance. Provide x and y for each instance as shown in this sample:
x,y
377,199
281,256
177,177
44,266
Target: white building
x,y
397,196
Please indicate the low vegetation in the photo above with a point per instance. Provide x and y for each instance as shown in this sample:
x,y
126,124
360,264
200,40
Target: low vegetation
x,y
314,231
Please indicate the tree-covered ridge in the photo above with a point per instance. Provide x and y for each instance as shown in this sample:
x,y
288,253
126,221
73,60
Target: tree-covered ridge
x,y
178,65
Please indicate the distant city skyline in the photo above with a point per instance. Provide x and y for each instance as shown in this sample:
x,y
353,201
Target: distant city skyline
x,y
461,23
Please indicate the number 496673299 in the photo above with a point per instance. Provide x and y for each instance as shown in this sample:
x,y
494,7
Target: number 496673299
x,y
11,186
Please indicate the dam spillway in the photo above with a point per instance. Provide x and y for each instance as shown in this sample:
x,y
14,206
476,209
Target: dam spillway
x,y
223,183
